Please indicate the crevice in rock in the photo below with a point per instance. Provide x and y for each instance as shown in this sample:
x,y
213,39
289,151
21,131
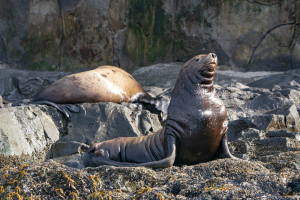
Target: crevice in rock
x,y
174,25
265,35
296,31
264,3
61,12
4,48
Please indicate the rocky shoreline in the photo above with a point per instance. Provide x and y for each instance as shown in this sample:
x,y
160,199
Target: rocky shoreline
x,y
264,131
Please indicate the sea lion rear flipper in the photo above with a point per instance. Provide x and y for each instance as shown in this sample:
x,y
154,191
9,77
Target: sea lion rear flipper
x,y
223,151
164,163
64,108
93,158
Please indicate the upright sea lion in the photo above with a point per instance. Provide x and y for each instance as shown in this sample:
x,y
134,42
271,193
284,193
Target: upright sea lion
x,y
195,131
103,84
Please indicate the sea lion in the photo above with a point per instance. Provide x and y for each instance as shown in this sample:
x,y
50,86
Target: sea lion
x,y
195,130
103,84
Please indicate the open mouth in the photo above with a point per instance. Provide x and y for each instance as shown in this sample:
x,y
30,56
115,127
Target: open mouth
x,y
211,66
208,71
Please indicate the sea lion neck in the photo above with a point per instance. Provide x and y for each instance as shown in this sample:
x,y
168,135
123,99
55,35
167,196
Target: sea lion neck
x,y
191,84
199,72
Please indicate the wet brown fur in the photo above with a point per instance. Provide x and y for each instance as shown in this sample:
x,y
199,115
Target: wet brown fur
x,y
90,86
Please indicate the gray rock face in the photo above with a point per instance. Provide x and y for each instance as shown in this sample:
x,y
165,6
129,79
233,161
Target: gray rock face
x,y
52,35
104,121
26,131
19,84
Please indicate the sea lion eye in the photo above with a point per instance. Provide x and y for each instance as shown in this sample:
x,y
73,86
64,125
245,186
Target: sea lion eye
x,y
197,59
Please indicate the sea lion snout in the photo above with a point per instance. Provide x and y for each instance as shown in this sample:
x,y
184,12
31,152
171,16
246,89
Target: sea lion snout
x,y
213,57
208,67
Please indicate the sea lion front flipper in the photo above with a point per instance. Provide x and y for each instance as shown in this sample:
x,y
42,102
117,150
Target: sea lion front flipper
x,y
161,103
223,151
64,108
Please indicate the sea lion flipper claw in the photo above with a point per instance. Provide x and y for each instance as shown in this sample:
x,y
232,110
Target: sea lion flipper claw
x,y
61,107
65,110
72,108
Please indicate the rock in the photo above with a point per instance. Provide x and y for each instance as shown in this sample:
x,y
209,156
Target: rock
x,y
273,144
284,133
271,102
293,119
26,131
280,80
20,84
252,134
1,102
286,118
60,149
244,146
104,121
159,75
236,128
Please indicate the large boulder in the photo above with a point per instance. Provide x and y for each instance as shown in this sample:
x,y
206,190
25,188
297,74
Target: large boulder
x,y
26,131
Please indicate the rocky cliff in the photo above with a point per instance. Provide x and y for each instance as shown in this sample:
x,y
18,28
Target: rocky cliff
x,y
67,35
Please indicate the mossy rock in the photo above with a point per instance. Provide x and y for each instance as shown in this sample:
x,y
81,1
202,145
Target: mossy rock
x,y
149,29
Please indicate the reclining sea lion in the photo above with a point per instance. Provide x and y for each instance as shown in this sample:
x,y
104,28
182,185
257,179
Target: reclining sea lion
x,y
103,84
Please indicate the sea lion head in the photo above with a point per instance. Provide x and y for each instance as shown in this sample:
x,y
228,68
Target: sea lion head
x,y
201,69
